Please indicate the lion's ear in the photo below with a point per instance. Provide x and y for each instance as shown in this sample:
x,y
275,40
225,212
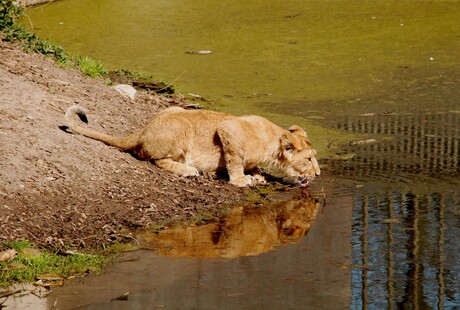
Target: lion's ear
x,y
286,141
298,131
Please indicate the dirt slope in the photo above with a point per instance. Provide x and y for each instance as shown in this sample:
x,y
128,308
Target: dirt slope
x,y
58,188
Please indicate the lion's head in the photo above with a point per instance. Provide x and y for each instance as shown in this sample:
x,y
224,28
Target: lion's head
x,y
297,158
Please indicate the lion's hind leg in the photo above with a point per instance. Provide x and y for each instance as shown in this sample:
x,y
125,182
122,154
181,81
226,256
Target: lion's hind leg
x,y
176,167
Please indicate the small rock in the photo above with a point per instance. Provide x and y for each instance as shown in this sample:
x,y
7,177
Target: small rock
x,y
195,96
199,52
126,90
361,142
48,280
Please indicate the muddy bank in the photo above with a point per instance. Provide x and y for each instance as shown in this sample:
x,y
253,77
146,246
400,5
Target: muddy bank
x,y
57,188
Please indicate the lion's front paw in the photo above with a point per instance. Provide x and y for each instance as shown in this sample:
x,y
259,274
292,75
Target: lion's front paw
x,y
190,171
243,181
248,180
259,179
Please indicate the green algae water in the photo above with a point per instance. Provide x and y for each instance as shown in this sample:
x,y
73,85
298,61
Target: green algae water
x,y
376,84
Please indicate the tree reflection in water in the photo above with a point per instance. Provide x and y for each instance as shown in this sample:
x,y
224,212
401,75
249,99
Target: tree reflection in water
x,y
406,219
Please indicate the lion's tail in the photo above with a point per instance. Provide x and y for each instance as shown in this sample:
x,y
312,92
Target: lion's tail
x,y
124,143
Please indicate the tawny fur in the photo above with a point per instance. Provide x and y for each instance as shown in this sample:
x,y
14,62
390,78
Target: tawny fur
x,y
188,142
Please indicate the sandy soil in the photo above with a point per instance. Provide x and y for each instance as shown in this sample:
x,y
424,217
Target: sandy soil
x,y
58,188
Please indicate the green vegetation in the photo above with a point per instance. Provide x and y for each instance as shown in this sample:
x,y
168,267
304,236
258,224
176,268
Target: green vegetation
x,y
25,268
9,12
90,67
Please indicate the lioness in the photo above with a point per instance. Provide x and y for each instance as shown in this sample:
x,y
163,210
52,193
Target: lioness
x,y
186,142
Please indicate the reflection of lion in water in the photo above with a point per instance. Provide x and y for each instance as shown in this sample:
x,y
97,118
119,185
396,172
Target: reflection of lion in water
x,y
245,231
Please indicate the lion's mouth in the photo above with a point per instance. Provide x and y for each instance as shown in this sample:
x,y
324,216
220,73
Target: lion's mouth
x,y
297,181
304,182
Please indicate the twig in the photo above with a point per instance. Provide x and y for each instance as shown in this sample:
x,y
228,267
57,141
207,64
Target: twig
x,y
45,4
128,237
170,84
30,21
323,194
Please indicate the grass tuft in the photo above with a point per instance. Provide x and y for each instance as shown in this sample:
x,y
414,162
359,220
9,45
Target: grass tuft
x,y
26,269
90,67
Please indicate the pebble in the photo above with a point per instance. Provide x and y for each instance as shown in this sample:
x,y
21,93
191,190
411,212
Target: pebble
x,y
126,90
